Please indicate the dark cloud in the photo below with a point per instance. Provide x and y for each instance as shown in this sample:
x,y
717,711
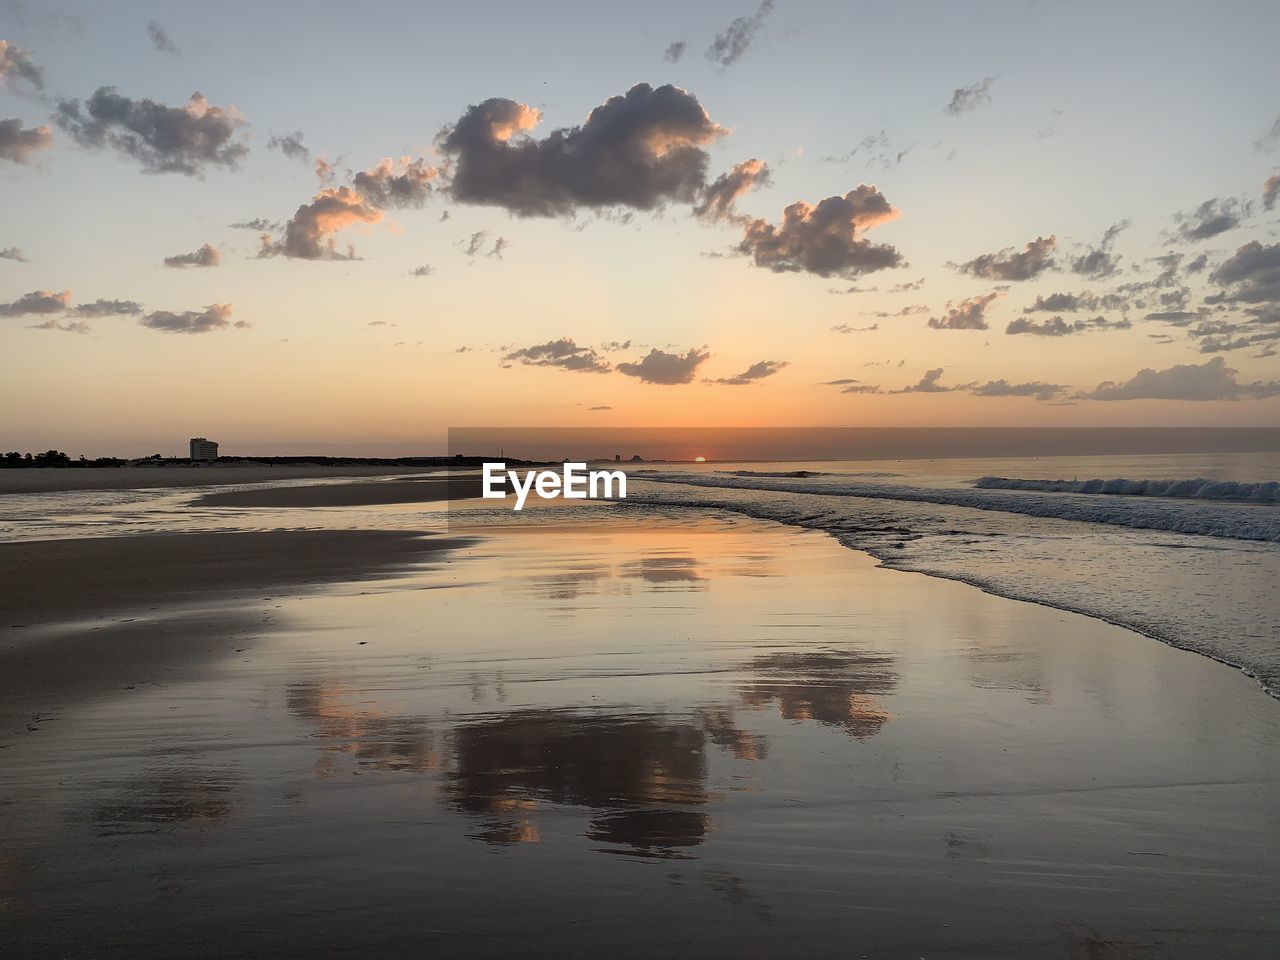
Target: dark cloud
x,y
1198,264
108,308
1179,318
309,235
160,39
825,239
18,71
757,371
563,353
1071,302
66,326
207,256
600,406
1271,190
164,139
675,51
1252,273
927,384
637,150
35,303
1211,218
970,314
17,145
396,183
216,316
719,200
13,253
1269,138
1057,327
964,99
731,43
422,271
1003,388
1211,380
1221,336
1098,262
616,345
666,368
260,224
861,388
1009,264
291,146
843,382
908,286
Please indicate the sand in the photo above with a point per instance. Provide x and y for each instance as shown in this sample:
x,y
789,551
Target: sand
x,y
426,490
50,479
678,738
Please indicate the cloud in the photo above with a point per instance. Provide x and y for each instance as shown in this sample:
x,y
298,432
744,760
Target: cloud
x,y
1271,190
826,239
967,314
910,310
1008,264
1211,380
599,406
160,39
675,51
1003,388
965,99
851,386
927,384
291,146
207,256
1099,261
396,183
17,145
1269,138
18,71
563,353
66,326
1254,273
1211,218
718,203
637,150
259,224
35,303
734,40
907,286
1057,327
422,271
1071,302
1198,264
108,308
13,253
216,316
845,328
309,235
666,368
757,371
164,139
499,245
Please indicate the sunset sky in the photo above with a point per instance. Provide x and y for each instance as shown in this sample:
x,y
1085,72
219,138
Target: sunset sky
x,y
376,223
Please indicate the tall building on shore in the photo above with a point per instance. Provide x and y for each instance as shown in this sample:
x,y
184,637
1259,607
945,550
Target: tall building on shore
x,y
202,449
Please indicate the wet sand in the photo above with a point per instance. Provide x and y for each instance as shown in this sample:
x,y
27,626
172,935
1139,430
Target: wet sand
x,y
49,479
687,738
425,490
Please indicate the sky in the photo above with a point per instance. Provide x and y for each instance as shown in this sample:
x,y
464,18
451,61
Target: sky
x,y
351,231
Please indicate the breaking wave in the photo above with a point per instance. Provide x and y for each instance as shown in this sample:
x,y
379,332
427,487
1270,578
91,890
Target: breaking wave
x,y
1196,488
1209,517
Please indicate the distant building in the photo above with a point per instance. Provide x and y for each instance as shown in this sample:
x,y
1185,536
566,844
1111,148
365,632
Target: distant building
x,y
202,449
617,458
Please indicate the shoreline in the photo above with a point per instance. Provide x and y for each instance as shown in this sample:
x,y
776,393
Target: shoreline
x,y
56,480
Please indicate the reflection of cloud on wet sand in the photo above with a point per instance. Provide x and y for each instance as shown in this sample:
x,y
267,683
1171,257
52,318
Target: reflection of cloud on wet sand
x,y
161,798
835,689
372,738
646,776
667,572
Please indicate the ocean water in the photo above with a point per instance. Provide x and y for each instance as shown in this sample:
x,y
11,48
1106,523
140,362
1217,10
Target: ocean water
x,y
1183,548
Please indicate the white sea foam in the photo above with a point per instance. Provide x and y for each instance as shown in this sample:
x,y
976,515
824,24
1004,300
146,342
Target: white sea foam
x,y
1218,517
1195,488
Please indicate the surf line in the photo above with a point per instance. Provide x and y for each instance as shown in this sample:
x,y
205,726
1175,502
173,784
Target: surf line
x,y
575,482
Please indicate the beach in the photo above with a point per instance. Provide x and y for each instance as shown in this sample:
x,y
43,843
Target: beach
x,y
633,731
